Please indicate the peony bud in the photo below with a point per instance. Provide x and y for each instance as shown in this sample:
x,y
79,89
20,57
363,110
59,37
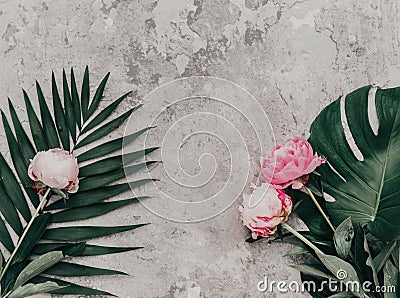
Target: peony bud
x,y
55,168
264,210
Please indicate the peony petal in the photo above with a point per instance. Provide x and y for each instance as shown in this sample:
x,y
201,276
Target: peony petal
x,y
272,208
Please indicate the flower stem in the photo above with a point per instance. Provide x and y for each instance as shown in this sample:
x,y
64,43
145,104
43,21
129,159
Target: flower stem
x,y
301,237
37,211
319,208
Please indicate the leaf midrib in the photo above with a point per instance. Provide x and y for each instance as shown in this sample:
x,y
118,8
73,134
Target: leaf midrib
x,y
382,183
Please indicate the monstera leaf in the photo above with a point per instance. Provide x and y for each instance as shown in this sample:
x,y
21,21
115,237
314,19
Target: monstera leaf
x,y
76,123
364,182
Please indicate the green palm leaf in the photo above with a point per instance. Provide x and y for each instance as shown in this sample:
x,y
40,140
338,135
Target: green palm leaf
x,y
64,269
5,237
368,188
85,94
83,233
98,95
89,250
86,198
26,145
80,213
110,146
70,288
104,114
59,116
13,189
69,108
35,126
75,100
63,127
49,128
105,129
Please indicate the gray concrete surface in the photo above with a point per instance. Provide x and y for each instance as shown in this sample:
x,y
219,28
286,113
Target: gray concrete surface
x,y
294,56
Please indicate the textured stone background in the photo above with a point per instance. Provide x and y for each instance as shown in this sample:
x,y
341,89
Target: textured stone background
x,y
294,56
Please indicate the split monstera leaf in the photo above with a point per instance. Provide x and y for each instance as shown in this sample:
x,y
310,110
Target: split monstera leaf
x,y
359,135
38,264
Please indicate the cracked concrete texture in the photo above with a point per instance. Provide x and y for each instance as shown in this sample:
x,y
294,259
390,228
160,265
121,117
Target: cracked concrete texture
x,y
294,56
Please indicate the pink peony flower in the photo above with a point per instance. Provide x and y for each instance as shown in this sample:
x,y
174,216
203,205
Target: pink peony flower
x,y
265,209
55,168
290,164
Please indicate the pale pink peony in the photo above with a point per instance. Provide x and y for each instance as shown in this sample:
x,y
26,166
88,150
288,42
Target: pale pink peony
x,y
264,210
290,164
55,168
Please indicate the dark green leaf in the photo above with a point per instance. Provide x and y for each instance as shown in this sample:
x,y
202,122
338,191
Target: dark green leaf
x,y
369,189
85,94
93,250
105,113
110,146
112,163
104,130
384,254
20,164
10,184
98,95
49,128
26,145
363,259
90,197
69,109
71,288
5,237
75,100
343,238
69,269
89,250
9,211
74,250
91,211
34,234
101,180
82,233
36,128
59,116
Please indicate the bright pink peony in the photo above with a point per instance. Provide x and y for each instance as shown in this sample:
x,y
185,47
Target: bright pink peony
x,y
55,168
289,164
264,210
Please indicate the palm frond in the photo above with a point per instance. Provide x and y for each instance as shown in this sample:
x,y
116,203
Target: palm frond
x,y
76,122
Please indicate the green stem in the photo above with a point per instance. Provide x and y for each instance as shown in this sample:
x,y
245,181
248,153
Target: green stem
x,y
38,210
301,237
319,208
